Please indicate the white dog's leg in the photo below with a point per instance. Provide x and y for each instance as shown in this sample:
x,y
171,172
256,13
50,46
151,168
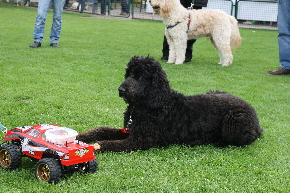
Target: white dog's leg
x,y
225,52
226,56
180,51
171,57
220,56
180,47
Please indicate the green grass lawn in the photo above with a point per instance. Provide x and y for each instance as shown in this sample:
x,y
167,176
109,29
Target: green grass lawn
x,y
76,86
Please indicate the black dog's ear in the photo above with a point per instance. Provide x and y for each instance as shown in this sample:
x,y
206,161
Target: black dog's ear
x,y
159,85
158,90
159,79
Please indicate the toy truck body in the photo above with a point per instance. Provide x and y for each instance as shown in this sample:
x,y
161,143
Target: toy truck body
x,y
55,148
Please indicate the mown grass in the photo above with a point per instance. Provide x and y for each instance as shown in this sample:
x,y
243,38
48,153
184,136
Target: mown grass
x,y
76,86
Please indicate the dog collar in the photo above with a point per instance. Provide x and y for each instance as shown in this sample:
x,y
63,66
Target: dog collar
x,y
124,131
188,24
129,123
172,26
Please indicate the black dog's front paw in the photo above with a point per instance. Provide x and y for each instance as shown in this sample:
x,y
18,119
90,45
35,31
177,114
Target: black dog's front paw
x,y
83,137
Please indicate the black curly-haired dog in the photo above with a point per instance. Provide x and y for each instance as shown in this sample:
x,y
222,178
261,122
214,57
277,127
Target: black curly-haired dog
x,y
158,116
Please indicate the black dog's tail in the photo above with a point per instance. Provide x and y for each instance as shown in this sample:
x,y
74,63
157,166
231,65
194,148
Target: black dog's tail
x,y
241,128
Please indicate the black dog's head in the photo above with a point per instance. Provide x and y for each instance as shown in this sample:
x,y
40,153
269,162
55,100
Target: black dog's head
x,y
145,82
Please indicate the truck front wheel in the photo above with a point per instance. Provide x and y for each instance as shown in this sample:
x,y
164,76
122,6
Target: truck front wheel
x,y
48,170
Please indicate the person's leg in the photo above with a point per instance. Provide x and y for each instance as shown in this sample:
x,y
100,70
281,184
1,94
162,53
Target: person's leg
x,y
95,6
188,52
123,7
82,3
57,21
165,50
126,7
103,7
43,7
25,2
66,4
284,33
283,38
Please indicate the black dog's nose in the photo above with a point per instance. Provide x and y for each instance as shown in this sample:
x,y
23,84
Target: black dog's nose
x,y
121,91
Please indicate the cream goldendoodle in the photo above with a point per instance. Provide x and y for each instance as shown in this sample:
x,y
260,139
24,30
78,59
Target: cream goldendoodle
x,y
182,24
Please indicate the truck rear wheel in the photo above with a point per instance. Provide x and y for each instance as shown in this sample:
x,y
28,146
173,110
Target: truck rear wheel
x,y
10,156
88,167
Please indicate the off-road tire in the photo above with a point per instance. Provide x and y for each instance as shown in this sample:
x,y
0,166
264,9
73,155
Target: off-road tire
x,y
10,156
48,170
88,167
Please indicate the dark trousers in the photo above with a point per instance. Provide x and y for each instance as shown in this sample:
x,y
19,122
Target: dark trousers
x,y
66,3
188,52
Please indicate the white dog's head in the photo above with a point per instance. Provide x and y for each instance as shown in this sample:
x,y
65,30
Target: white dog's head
x,y
162,6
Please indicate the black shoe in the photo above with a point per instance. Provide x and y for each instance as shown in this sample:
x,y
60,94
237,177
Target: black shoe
x,y
35,45
54,45
164,58
279,71
188,57
187,60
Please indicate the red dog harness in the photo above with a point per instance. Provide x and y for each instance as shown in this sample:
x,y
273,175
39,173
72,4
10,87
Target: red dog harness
x,y
188,22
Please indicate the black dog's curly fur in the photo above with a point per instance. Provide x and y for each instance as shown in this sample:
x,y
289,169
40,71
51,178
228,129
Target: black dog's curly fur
x,y
162,116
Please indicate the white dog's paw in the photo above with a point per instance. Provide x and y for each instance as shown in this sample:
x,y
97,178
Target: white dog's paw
x,y
226,64
170,61
178,63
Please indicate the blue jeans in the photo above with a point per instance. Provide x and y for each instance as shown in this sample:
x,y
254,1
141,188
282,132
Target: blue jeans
x,y
95,6
43,6
284,33
82,4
